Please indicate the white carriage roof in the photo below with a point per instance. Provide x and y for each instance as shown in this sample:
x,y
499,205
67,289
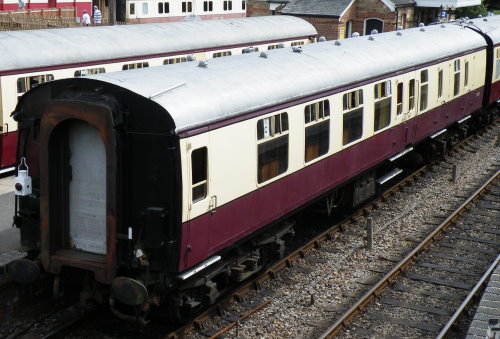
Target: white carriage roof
x,y
489,25
52,47
228,87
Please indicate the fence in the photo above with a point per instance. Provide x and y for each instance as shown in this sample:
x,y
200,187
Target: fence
x,y
38,18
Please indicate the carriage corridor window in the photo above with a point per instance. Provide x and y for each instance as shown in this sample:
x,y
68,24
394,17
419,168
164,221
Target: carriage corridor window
x,y
399,103
163,7
228,5
132,9
27,83
466,74
382,95
456,78
199,173
497,73
187,6
440,83
89,71
208,6
317,122
221,54
174,60
411,94
352,104
135,65
424,90
243,4
297,43
272,146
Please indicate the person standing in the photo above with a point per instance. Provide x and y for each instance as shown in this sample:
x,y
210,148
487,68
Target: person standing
x,y
97,16
85,19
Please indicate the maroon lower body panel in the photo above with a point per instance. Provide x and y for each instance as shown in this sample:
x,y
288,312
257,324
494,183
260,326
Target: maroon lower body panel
x,y
209,233
8,146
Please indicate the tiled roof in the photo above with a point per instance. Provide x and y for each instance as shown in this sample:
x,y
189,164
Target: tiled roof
x,y
328,7
317,7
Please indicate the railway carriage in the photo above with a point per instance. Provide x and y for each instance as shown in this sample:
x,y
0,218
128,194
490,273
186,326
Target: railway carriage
x,y
196,168
30,58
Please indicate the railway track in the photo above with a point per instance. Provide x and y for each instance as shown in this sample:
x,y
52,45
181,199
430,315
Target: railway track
x,y
258,291
452,257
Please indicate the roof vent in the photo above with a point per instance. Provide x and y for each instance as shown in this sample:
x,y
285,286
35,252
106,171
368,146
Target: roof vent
x,y
250,49
191,57
399,28
337,43
485,19
422,29
281,45
321,39
443,26
203,64
355,34
263,55
479,16
371,38
399,33
421,24
374,31
297,49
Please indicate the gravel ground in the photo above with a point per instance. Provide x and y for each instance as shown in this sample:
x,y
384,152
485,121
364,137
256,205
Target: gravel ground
x,y
308,297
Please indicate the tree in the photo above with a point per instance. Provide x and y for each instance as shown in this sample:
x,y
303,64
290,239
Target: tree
x,y
471,12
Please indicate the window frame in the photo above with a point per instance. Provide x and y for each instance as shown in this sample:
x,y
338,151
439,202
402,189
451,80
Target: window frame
x,y
352,103
456,77
382,94
204,179
423,102
317,115
275,135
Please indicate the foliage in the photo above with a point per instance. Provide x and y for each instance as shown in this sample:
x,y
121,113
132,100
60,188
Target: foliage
x,y
471,12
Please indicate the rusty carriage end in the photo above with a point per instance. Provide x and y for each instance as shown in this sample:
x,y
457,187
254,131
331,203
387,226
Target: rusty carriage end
x,y
70,233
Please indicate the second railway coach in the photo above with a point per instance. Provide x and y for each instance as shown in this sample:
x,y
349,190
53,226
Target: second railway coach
x,y
30,58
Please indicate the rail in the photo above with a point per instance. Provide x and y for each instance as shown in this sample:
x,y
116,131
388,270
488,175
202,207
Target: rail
x,y
403,264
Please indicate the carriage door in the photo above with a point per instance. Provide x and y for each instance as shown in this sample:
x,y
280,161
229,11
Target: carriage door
x,y
87,188
409,99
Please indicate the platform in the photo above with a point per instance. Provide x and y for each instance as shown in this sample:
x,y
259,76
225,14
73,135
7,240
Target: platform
x,y
9,236
489,308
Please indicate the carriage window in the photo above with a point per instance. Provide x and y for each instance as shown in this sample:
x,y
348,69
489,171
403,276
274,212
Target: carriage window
x,y
187,6
456,79
208,6
317,122
424,89
411,94
382,105
440,83
399,104
132,9
174,60
276,46
144,8
272,146
89,71
228,5
297,43
163,7
497,75
135,66
221,54
199,173
353,118
27,83
466,74
249,50
243,4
